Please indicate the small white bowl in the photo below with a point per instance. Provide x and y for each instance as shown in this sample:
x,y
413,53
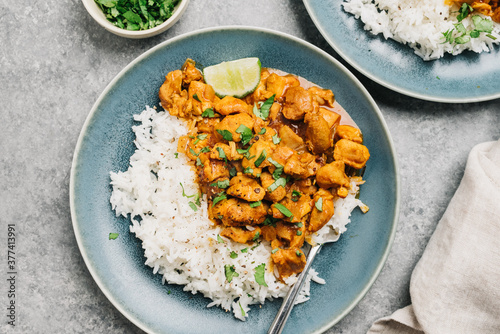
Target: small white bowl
x,y
99,16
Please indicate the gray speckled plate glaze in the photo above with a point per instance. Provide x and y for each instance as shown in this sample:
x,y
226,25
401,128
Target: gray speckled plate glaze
x,y
349,266
468,77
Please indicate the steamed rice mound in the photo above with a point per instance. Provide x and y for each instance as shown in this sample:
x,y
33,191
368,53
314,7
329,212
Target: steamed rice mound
x,y
420,24
183,245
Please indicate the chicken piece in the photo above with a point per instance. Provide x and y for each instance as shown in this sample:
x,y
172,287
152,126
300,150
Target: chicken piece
x,y
291,139
231,123
240,235
292,235
202,97
496,15
332,118
231,105
246,188
222,151
332,175
268,232
238,213
274,111
324,97
319,217
281,154
207,125
278,85
319,138
304,186
299,209
194,146
481,8
214,169
298,102
260,93
351,153
288,261
275,195
173,98
302,166
350,133
190,72
258,154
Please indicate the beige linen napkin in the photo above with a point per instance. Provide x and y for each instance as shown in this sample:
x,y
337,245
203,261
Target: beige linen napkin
x,y
455,287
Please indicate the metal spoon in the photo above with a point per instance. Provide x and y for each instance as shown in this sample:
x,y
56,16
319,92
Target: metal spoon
x,y
288,302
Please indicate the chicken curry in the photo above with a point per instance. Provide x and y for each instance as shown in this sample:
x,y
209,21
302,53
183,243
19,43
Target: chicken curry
x,y
486,7
271,163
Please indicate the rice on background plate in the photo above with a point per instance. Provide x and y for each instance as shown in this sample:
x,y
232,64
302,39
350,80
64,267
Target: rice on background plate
x,y
420,24
182,244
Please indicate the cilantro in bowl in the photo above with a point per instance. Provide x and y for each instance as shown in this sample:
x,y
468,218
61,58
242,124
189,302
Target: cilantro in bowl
x,y
137,14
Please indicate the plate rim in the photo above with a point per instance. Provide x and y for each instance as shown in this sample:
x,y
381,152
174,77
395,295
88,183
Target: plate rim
x,y
358,67
85,127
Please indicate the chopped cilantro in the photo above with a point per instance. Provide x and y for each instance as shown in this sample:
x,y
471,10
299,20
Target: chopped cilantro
x,y
202,136
244,250
248,170
230,272
219,198
280,182
233,255
298,253
299,233
296,195
193,206
256,236
208,113
242,310
260,270
233,172
270,221
193,152
198,162
176,155
255,204
222,155
184,194
275,250
205,149
219,239
261,158
195,96
221,184
113,236
226,134
319,204
263,111
279,168
464,11
246,134
262,131
276,139
283,209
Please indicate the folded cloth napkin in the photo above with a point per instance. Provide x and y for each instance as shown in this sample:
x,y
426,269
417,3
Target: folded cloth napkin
x,y
455,287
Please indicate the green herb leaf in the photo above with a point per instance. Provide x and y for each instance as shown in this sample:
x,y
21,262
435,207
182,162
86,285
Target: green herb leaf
x,y
208,113
226,134
184,194
259,274
299,233
263,112
280,182
219,239
242,310
193,152
262,131
319,204
244,250
248,170
193,206
195,96
462,39
230,272
198,162
222,155
113,236
176,155
283,209
298,253
221,196
296,195
233,255
246,134
270,221
255,204
464,11
275,250
233,172
256,236
482,24
221,184
199,137
276,139
261,158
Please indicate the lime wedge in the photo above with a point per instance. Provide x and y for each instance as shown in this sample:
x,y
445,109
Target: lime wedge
x,y
236,78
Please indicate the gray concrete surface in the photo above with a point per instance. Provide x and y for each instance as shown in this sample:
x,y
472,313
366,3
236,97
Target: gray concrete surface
x,y
54,63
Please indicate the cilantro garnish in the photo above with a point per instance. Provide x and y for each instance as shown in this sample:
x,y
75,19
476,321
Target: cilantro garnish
x,y
219,198
233,255
222,155
221,184
276,139
198,162
283,209
208,113
296,195
280,182
256,236
319,204
230,272
193,152
298,253
242,311
195,96
263,111
193,206
246,134
176,155
203,136
299,233
461,35
244,250
255,204
261,158
279,168
137,15
226,134
260,270
113,236
275,250
219,239
262,131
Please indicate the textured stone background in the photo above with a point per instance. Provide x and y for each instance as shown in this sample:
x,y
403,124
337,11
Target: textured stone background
x,y
55,62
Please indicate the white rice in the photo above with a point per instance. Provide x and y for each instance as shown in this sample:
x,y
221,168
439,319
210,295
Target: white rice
x,y
181,244
420,24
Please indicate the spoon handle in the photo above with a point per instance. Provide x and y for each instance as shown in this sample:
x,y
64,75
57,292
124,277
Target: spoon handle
x,y
288,302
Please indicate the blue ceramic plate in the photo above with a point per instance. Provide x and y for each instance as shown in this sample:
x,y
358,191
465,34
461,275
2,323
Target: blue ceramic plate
x,y
349,266
469,77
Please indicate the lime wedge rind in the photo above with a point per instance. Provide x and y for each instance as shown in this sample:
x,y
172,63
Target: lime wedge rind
x,y
236,78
